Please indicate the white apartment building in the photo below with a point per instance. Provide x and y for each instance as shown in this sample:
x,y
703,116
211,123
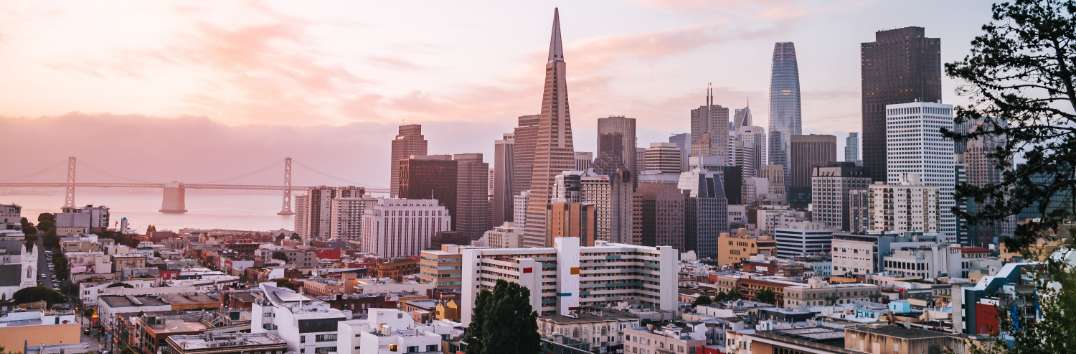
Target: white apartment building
x,y
830,187
505,236
519,209
772,217
307,325
915,145
854,255
386,331
394,228
566,276
803,239
345,218
906,205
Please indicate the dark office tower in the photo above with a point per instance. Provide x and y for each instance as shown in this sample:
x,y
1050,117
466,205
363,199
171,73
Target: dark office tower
x,y
526,134
785,118
616,145
808,151
553,152
409,141
705,211
710,130
683,142
472,203
434,176
662,214
501,202
733,183
901,65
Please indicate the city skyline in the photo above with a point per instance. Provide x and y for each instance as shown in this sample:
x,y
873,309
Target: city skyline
x,y
830,95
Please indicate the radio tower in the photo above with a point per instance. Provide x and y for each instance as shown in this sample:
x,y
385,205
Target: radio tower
x,y
69,195
286,208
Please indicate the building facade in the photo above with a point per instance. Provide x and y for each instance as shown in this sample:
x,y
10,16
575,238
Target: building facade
x,y
785,115
408,142
808,151
830,189
803,239
906,206
394,228
915,145
472,195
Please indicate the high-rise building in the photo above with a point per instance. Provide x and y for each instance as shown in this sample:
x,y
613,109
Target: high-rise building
x,y
472,203
525,134
750,148
808,151
408,142
519,208
616,144
573,219
313,218
583,160
431,177
742,117
662,215
611,196
906,205
394,228
785,115
705,212
830,189
915,145
345,220
851,147
710,130
662,157
983,170
567,275
553,149
775,178
803,239
683,142
858,210
901,65
732,177
503,173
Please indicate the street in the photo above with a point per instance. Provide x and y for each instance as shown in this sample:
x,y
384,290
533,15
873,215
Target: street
x,y
45,273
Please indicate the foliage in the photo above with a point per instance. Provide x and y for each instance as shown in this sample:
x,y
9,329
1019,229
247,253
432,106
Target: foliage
x,y
1021,82
767,296
119,237
733,294
30,233
38,293
503,322
60,265
703,300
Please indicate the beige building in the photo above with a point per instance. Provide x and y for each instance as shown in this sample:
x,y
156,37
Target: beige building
x,y
732,249
819,293
600,331
891,339
34,329
661,340
443,268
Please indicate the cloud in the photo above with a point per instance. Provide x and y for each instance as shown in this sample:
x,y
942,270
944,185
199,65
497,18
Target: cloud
x,y
393,62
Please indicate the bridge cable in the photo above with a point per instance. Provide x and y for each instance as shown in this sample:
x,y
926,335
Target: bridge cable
x,y
36,173
83,164
311,169
244,175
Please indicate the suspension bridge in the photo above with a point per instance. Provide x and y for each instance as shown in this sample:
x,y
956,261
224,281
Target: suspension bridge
x,y
174,193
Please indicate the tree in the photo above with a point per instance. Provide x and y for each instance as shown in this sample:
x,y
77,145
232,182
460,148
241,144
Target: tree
x,y
38,293
1021,82
703,300
767,296
503,322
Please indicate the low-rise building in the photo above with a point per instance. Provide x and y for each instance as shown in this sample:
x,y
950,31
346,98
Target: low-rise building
x,y
443,268
893,339
664,339
386,331
307,325
734,248
593,331
23,329
227,343
803,239
820,293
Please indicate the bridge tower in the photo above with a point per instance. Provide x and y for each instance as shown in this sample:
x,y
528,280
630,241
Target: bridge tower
x,y
174,200
285,209
69,195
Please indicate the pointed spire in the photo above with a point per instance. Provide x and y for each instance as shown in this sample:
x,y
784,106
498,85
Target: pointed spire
x,y
556,48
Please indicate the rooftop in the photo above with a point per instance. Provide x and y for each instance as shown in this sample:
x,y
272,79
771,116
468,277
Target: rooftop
x,y
226,340
590,317
900,332
131,301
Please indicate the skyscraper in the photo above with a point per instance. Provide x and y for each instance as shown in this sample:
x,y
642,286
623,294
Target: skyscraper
x,y
831,186
584,160
616,144
525,134
983,170
662,214
750,150
902,65
851,147
472,203
683,142
314,214
705,210
409,141
431,177
662,157
553,150
503,168
808,151
710,130
785,118
916,146
742,117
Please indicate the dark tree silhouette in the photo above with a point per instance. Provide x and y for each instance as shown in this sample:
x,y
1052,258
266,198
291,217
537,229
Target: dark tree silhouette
x,y
503,322
1020,81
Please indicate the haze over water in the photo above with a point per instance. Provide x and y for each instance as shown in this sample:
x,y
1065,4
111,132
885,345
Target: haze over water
x,y
247,210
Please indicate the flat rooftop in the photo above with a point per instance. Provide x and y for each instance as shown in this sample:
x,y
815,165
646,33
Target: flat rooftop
x,y
226,340
588,317
900,332
131,301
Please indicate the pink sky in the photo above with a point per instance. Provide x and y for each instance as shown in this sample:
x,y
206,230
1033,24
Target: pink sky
x,y
335,63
